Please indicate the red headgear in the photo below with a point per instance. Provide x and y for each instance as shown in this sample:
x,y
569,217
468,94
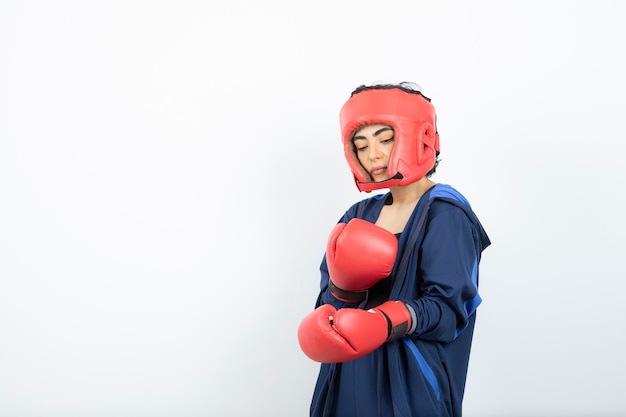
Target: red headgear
x,y
413,120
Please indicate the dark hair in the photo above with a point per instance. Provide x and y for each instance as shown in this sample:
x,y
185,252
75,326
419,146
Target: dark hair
x,y
434,168
408,87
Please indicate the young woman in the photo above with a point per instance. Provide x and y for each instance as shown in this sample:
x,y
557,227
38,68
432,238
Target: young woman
x,y
395,315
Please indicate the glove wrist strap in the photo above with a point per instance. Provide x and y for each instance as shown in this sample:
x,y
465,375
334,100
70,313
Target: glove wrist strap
x,y
346,296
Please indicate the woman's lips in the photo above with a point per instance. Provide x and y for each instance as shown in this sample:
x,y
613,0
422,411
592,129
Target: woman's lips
x,y
378,171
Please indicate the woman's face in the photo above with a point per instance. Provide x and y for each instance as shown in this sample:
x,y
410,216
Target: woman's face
x,y
373,144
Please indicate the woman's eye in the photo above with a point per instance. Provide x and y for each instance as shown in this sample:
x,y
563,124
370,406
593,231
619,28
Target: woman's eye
x,y
391,139
360,145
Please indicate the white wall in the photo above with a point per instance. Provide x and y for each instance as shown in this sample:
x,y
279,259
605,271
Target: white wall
x,y
170,170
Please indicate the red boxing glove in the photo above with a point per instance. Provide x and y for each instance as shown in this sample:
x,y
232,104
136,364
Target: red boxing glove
x,y
359,254
328,335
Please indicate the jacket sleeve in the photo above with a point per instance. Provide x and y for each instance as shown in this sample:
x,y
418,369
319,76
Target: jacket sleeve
x,y
448,267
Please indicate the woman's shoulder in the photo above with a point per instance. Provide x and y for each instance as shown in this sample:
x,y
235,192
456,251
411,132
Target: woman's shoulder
x,y
441,206
449,205
445,198
448,193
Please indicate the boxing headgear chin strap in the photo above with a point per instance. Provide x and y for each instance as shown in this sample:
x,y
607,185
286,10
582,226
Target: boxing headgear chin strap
x,y
413,120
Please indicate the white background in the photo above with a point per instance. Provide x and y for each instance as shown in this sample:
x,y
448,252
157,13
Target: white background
x,y
170,170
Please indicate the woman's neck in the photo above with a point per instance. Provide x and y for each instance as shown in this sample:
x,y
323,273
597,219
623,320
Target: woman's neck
x,y
394,216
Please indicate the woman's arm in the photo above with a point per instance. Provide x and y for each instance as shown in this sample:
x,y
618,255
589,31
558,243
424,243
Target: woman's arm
x,y
448,292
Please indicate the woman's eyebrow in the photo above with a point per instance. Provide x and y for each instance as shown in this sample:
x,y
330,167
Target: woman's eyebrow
x,y
381,130
378,132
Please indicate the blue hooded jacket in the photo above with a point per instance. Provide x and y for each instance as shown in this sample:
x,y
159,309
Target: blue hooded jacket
x,y
436,272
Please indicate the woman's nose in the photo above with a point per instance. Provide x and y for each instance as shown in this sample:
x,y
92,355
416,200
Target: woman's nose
x,y
374,152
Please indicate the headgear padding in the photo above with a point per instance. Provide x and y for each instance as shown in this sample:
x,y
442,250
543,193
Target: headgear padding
x,y
413,119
